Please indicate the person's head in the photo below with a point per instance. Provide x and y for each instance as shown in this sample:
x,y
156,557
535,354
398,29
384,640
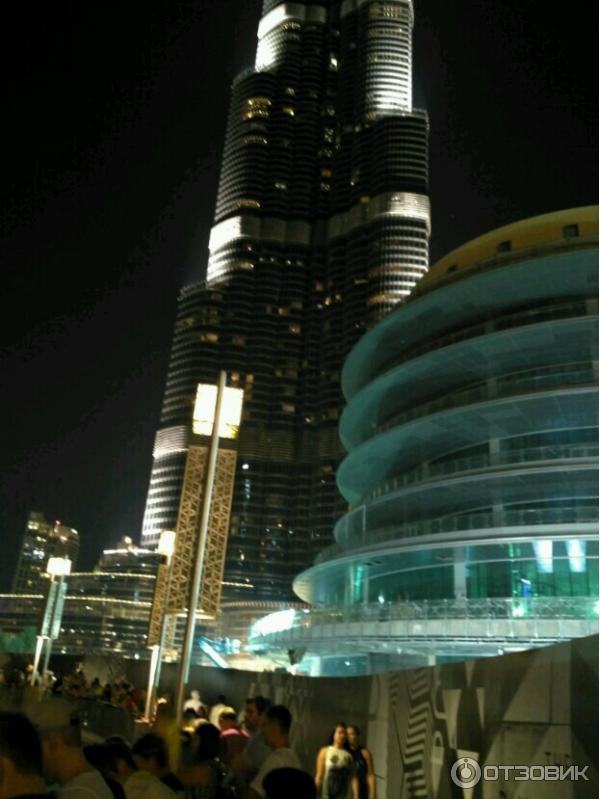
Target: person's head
x,y
227,719
221,699
209,742
60,731
101,758
121,753
338,736
21,765
150,754
276,724
254,711
289,782
195,694
353,734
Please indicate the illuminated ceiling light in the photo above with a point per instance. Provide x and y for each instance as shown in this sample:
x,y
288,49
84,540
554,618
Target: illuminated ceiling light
x,y
275,622
576,555
543,556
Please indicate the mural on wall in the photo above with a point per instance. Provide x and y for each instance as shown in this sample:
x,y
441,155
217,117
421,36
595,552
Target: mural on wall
x,y
532,708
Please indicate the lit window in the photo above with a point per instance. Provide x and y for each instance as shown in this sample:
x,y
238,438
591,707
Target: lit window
x,y
280,184
326,172
295,328
571,231
212,338
287,407
256,107
333,63
288,109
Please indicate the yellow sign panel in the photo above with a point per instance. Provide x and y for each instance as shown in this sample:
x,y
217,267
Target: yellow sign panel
x,y
204,411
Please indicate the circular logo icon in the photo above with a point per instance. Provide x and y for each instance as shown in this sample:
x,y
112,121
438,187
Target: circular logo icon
x,y
466,772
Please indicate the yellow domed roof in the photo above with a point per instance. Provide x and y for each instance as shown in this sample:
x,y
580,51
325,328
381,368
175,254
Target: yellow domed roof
x,y
564,228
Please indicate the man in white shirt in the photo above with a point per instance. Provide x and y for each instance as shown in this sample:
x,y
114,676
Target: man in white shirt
x,y
276,724
216,710
194,703
64,761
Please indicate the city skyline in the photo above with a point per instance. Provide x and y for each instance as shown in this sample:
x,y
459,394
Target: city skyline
x,y
82,409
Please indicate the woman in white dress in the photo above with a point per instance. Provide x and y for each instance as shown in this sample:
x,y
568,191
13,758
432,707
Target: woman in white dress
x,y
336,776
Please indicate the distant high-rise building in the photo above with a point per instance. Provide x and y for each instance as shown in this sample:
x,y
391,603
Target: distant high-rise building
x,y
42,540
321,226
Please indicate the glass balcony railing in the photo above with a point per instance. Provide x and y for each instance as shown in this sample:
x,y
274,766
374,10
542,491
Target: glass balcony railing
x,y
472,463
563,310
361,536
516,610
499,388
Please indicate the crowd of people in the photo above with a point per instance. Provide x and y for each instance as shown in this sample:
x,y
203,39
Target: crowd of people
x,y
215,753
117,692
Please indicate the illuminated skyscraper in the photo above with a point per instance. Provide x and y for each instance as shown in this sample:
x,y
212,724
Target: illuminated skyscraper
x,y
42,540
321,227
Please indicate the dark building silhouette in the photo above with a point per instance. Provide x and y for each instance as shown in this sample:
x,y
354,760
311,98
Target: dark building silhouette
x,y
321,227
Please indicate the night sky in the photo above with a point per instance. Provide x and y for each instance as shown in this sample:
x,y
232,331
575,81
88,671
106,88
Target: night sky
x,y
113,123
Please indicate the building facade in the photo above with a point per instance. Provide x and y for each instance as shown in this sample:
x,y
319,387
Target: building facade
x,y
42,540
106,610
471,427
321,227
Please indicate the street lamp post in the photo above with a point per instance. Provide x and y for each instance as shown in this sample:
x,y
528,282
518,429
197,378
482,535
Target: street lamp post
x,y
188,639
166,547
58,569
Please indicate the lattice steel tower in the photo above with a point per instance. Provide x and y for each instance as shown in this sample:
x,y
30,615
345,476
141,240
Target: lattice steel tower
x,y
321,226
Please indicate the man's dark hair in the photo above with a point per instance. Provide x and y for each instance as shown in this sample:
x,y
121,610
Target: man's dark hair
x,y
152,747
209,742
260,703
120,751
289,782
221,699
281,716
20,743
101,758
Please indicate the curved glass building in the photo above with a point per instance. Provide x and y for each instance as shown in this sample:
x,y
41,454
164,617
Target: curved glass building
x,y
321,226
471,474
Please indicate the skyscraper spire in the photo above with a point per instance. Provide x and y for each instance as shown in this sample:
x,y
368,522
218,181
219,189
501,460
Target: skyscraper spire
x,y
321,227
